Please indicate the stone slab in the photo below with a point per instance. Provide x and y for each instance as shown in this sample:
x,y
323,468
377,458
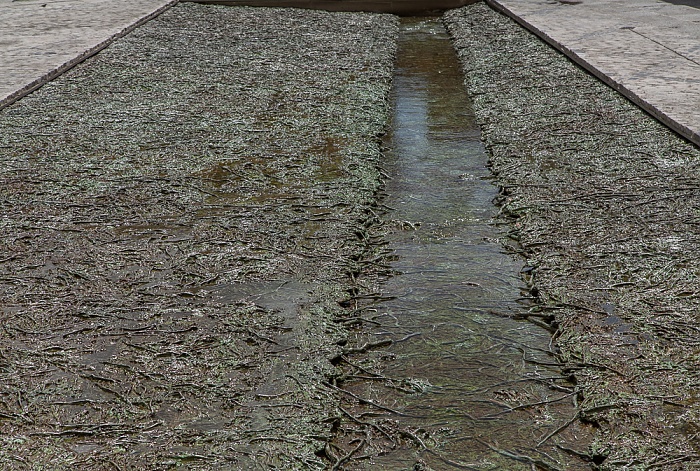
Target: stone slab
x,y
648,50
41,39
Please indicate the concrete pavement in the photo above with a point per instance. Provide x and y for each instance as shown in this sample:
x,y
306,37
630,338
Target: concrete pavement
x,y
648,50
40,39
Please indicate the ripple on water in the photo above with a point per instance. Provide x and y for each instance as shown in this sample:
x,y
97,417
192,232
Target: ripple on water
x,y
480,380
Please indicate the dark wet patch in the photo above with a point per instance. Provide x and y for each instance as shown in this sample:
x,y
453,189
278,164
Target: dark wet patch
x,y
690,3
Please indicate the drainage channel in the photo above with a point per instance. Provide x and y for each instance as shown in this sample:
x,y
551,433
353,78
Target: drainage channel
x,y
486,392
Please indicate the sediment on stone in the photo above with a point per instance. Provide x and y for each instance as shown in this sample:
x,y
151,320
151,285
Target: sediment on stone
x,y
183,218
605,204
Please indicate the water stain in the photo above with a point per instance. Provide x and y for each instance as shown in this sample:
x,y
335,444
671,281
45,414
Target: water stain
x,y
486,395
330,157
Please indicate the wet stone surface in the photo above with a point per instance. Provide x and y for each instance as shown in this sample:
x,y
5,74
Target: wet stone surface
x,y
464,383
605,205
181,217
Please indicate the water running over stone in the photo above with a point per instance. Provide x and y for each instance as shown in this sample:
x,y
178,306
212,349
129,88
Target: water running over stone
x,y
484,393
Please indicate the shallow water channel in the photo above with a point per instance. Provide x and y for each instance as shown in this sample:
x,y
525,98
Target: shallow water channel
x,y
482,379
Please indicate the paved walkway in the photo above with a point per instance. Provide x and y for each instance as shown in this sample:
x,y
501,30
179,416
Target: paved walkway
x,y
40,39
648,50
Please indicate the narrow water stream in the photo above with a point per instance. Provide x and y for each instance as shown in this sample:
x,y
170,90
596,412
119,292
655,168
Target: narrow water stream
x,y
483,387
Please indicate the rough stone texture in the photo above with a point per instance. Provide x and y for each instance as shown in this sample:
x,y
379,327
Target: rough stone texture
x,y
648,50
40,39
605,202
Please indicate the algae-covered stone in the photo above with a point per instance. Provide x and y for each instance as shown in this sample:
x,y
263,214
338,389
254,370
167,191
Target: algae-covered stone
x,y
179,215
605,202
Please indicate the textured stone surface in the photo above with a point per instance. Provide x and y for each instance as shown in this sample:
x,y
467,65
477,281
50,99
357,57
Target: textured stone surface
x,y
648,50
40,39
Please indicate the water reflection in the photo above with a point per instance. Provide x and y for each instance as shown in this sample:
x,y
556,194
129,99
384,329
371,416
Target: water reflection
x,y
482,389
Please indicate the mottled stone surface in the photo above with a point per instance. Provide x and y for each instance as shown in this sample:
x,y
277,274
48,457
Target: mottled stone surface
x,y
648,50
40,39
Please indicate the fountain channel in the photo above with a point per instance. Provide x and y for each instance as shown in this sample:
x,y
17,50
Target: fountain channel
x,y
486,392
